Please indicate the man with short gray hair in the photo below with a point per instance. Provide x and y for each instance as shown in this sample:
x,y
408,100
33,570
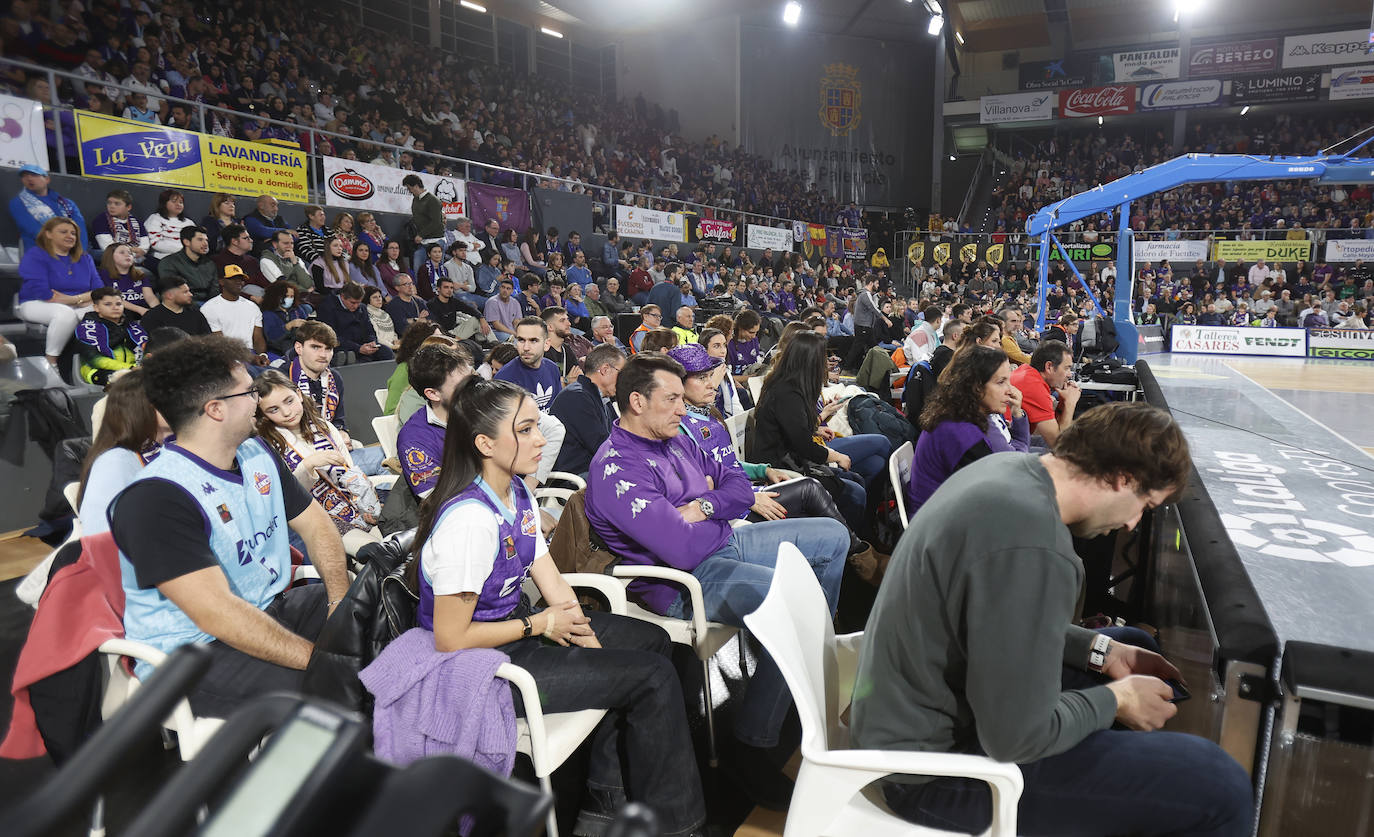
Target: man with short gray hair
x,y
462,231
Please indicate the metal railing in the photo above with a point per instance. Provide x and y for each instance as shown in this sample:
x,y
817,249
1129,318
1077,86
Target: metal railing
x,y
972,188
604,198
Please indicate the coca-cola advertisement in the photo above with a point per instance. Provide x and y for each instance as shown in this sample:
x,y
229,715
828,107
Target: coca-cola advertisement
x,y
711,230
1112,100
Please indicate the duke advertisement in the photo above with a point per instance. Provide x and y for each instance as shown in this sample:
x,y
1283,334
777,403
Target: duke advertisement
x,y
1238,340
124,149
363,186
1270,251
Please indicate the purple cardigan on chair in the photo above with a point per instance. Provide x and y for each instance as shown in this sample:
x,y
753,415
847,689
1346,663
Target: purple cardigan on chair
x,y
429,702
952,445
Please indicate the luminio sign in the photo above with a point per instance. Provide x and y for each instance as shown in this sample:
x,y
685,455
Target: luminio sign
x,y
1239,340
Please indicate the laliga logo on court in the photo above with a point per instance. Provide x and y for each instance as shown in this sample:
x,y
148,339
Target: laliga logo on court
x,y
1300,539
350,185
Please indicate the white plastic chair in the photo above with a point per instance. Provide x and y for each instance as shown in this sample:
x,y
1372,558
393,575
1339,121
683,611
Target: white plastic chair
x,y
71,491
564,476
387,429
736,426
755,387
899,472
830,797
380,395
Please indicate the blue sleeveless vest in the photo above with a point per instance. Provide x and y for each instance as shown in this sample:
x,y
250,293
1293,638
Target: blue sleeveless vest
x,y
245,519
712,437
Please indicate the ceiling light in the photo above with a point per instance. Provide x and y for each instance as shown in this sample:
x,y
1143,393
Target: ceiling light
x,y
951,158
936,24
1099,120
959,36
791,13
476,8
935,8
547,31
1244,110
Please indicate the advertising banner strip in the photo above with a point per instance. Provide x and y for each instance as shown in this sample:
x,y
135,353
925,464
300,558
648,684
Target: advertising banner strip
x,y
1112,100
1349,250
650,223
1325,49
1150,339
711,230
1352,83
1146,64
758,237
855,243
363,186
1078,252
1049,75
1270,251
25,143
1234,58
1343,343
1017,107
1298,86
1177,252
1239,340
1176,95
124,149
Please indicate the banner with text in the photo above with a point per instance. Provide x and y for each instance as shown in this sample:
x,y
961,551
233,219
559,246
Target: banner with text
x,y
363,186
1016,107
1239,340
711,230
1233,58
1073,71
1146,64
25,143
1344,343
1176,252
1112,100
1150,339
1326,48
855,242
1176,95
124,149
758,237
1277,87
638,222
1349,250
1099,251
1353,83
511,207
1270,251
824,107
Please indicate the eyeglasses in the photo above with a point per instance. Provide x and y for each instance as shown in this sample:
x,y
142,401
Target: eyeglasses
x,y
251,393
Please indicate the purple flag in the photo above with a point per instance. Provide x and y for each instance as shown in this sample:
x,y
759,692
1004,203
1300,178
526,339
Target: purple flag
x,y
509,206
834,242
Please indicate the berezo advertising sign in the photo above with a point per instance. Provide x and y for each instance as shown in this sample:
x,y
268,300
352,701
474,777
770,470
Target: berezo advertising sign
x,y
1325,48
1174,95
1234,58
1344,343
1239,340
1017,107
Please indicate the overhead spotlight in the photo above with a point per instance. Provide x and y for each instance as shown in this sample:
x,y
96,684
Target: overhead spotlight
x,y
951,158
1244,110
959,36
1099,120
550,32
476,8
791,13
934,7
937,23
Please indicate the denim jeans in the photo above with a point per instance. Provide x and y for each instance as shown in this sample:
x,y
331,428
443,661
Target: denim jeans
x,y
642,749
734,580
1112,782
854,502
867,452
368,459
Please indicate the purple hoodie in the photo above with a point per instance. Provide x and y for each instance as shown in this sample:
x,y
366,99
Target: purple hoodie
x,y
634,488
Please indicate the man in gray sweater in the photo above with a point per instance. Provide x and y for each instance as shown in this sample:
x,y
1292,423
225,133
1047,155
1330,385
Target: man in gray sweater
x,y
867,313
970,648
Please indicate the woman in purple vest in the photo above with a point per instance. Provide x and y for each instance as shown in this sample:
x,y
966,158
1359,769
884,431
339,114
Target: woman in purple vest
x,y
478,541
965,420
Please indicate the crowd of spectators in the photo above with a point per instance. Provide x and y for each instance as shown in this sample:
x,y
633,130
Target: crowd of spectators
x,y
1299,294
278,62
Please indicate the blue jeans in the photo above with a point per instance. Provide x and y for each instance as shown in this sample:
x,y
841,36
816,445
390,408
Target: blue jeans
x,y
867,452
853,502
368,459
734,580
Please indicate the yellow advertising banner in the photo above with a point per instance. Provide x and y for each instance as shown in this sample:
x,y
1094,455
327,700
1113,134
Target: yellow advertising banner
x,y
916,252
969,253
941,253
125,149
995,253
1270,251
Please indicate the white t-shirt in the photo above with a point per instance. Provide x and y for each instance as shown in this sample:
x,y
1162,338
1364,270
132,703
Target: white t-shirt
x,y
461,553
235,319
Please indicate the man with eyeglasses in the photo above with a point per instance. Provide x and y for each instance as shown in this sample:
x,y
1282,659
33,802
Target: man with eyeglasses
x,y
202,535
650,318
405,307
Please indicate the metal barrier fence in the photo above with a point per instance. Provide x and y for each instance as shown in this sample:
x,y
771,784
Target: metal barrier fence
x,y
604,198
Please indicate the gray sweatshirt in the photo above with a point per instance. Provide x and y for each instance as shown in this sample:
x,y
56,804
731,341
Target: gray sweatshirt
x,y
866,311
965,646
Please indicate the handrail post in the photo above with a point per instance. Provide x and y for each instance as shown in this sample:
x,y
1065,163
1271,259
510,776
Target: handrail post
x,y
60,150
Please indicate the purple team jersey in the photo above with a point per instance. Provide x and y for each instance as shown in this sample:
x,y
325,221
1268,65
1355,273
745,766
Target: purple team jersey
x,y
740,356
420,447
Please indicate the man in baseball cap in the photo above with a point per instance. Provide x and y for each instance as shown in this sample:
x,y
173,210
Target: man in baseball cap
x,y
36,203
234,315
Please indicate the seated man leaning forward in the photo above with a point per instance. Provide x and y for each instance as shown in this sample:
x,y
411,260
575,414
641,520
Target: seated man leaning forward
x,y
202,535
971,648
656,498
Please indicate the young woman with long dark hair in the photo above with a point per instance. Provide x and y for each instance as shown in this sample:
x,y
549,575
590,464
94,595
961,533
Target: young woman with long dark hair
x,y
131,434
477,542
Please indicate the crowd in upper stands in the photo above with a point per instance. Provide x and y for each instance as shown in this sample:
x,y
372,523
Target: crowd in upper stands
x,y
343,78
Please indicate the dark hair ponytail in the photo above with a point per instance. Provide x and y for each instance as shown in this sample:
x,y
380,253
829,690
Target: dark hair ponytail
x,y
478,408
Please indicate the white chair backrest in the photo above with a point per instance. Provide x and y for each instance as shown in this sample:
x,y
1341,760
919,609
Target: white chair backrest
x,y
380,395
387,429
70,491
736,425
899,472
756,387
794,625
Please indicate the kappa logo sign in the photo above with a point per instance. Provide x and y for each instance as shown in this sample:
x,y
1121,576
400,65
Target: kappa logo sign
x,y
1098,101
1300,538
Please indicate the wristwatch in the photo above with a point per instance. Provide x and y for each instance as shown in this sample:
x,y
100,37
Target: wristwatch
x,y
1097,656
707,508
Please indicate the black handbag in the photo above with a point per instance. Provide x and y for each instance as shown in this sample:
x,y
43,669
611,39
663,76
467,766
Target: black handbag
x,y
820,473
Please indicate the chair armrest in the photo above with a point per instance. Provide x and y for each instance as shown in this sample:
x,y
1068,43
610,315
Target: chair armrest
x,y
613,590
564,476
848,647
383,481
182,719
523,682
682,578
303,572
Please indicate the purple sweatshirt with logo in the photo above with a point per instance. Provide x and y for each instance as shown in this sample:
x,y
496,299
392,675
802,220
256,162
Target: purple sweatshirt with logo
x,y
634,488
